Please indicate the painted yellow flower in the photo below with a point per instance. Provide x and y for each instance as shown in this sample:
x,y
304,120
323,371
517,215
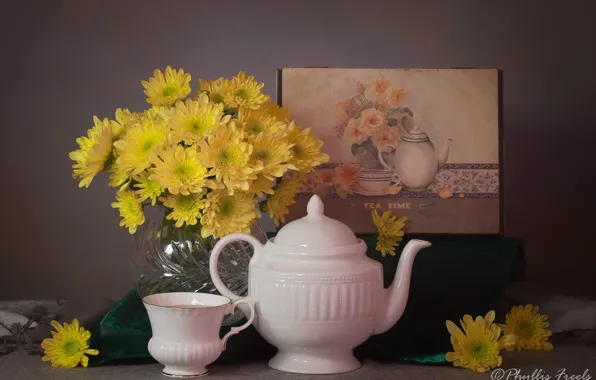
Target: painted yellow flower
x,y
131,210
214,88
68,345
277,204
396,95
385,138
244,91
226,214
271,152
356,132
529,327
262,186
186,209
306,149
195,120
378,89
390,231
179,170
227,156
372,119
94,153
478,346
255,122
165,88
147,188
138,143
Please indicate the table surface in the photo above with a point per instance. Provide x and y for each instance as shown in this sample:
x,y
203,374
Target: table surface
x,y
573,360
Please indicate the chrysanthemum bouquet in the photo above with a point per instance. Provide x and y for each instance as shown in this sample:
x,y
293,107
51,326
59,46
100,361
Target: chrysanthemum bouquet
x,y
214,158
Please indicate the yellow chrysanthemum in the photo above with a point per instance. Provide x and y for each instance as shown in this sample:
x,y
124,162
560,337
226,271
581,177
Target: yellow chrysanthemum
x,y
256,122
529,327
124,119
147,188
164,89
244,91
214,88
390,231
138,143
118,177
94,153
478,346
271,152
227,156
280,113
225,214
262,186
179,170
68,345
284,195
186,209
306,149
131,210
194,120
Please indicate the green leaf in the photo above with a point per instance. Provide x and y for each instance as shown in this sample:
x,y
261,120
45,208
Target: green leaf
x,y
355,149
392,122
408,111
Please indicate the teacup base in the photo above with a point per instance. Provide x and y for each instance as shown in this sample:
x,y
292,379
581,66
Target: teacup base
x,y
315,362
184,372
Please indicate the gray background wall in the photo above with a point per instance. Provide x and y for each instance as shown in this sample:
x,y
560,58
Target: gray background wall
x,y
64,61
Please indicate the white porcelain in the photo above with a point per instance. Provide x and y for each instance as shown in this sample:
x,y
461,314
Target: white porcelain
x,y
186,328
376,185
416,161
317,294
357,189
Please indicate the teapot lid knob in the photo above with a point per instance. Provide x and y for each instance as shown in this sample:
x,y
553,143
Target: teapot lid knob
x,y
315,207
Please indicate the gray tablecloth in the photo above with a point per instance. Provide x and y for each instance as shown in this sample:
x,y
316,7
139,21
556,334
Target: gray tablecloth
x,y
574,360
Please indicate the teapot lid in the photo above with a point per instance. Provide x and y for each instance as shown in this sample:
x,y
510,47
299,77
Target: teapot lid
x,y
415,135
315,230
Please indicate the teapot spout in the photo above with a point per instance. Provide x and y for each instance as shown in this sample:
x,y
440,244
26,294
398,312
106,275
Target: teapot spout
x,y
395,297
443,154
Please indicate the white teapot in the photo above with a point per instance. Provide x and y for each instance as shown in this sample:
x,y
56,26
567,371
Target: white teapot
x,y
317,295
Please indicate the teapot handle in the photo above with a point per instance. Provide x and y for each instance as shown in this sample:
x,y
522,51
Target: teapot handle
x,y
380,155
214,260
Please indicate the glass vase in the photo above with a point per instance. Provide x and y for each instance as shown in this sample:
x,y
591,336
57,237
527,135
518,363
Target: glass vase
x,y
170,259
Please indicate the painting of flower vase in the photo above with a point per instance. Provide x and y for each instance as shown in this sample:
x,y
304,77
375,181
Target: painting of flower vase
x,y
423,142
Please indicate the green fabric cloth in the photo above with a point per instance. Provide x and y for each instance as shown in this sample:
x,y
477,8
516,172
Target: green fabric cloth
x,y
456,276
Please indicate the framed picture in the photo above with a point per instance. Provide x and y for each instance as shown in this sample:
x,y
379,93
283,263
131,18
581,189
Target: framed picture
x,y
425,143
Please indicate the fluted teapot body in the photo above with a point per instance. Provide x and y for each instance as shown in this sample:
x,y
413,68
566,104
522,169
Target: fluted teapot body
x,y
317,294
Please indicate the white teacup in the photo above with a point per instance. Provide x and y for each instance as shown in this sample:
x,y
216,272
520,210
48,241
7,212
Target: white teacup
x,y
377,183
186,328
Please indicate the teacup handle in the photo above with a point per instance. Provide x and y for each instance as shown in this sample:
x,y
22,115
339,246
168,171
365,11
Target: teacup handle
x,y
396,180
236,330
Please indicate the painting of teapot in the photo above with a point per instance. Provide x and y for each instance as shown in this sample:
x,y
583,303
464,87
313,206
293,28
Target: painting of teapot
x,y
416,161
317,295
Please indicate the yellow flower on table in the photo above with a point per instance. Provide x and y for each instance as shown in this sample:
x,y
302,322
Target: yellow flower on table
x,y
118,177
244,91
194,120
94,153
165,88
284,196
186,209
390,231
179,170
147,188
68,346
138,143
530,328
226,214
130,209
227,156
478,346
271,152
215,89
124,119
306,149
